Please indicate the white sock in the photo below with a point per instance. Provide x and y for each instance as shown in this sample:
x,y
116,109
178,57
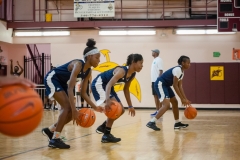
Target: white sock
x,y
56,135
176,121
153,119
52,128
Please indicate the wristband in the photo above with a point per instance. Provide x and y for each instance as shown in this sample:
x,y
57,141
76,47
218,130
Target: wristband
x,y
130,106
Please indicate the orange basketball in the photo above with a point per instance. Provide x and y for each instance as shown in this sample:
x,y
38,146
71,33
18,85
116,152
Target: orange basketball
x,y
21,110
88,117
190,112
115,111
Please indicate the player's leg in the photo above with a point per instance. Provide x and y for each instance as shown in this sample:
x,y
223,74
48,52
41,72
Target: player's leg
x,y
175,110
98,91
65,115
162,92
108,137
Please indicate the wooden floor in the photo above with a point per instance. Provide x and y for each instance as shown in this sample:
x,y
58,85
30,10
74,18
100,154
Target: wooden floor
x,y
212,135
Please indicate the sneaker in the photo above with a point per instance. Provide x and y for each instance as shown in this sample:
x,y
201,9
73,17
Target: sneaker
x,y
100,129
180,125
154,114
46,132
58,143
153,126
109,138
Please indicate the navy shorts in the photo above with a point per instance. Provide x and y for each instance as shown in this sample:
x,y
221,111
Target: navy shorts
x,y
163,91
53,85
98,91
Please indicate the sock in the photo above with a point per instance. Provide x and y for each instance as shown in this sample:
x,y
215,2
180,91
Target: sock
x,y
52,128
82,105
104,124
107,130
153,119
87,105
176,121
56,135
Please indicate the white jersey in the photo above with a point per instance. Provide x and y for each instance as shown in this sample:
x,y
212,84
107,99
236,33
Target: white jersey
x,y
157,65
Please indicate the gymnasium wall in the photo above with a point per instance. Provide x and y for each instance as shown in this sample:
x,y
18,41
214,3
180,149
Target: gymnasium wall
x,y
199,48
5,34
16,52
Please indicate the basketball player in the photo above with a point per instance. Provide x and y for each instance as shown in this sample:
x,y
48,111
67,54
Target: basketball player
x,y
60,84
11,80
172,77
103,91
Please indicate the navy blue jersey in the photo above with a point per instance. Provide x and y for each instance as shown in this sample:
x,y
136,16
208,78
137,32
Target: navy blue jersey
x,y
167,77
107,75
63,74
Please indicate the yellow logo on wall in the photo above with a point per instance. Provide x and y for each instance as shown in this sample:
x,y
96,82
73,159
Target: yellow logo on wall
x,y
216,73
134,87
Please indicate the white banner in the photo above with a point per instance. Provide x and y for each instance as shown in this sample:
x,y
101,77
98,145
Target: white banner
x,y
94,8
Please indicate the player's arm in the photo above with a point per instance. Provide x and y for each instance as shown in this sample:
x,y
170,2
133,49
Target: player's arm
x,y
75,67
21,69
127,96
119,73
176,88
90,84
182,91
177,73
84,92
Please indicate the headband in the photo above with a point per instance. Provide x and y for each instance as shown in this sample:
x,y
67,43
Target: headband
x,y
92,52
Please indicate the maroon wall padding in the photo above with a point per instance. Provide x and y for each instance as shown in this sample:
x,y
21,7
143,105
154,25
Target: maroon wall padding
x,y
239,81
202,83
205,91
189,83
217,88
231,83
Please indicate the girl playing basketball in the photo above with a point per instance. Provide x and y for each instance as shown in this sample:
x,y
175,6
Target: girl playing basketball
x,y
172,77
103,91
60,84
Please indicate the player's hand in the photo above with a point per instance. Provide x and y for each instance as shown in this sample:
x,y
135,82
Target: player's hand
x,y
131,111
76,116
11,80
188,102
184,102
108,105
99,109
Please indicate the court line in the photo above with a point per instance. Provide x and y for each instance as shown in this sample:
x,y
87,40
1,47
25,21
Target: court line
x,y
1,158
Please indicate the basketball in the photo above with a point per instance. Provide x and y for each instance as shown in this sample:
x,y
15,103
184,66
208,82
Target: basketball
x,y
21,110
115,111
190,112
88,117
